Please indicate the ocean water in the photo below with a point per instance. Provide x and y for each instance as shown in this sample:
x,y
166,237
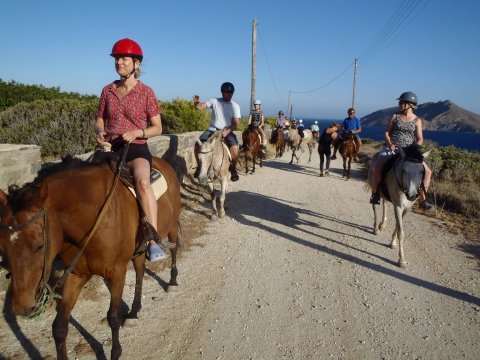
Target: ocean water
x,y
464,140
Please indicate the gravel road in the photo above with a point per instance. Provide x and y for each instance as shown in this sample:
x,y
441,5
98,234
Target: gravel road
x,y
292,272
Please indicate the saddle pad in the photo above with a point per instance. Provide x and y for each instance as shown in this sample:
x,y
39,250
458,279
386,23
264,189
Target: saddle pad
x,y
158,183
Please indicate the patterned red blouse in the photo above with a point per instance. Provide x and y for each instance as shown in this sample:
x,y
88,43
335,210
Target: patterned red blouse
x,y
130,113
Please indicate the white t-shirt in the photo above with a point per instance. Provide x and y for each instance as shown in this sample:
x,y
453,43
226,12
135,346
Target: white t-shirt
x,y
222,113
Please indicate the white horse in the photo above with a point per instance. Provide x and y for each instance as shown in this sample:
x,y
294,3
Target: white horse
x,y
401,186
214,162
295,142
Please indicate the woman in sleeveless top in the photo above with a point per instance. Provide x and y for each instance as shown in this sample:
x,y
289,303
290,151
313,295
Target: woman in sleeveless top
x,y
257,120
402,130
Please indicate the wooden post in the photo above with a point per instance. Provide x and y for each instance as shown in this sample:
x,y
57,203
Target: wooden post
x,y
354,83
254,62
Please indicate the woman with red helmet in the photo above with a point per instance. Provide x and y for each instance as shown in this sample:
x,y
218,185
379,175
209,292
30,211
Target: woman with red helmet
x,y
126,108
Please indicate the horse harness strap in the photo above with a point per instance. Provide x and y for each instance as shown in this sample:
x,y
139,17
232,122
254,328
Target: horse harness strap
x,y
72,265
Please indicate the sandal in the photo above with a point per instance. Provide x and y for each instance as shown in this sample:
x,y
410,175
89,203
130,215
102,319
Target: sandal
x,y
155,253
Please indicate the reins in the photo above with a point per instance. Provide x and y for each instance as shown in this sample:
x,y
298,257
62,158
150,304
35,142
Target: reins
x,y
45,294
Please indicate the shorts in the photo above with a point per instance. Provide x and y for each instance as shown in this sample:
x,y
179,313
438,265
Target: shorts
x,y
135,151
230,139
355,136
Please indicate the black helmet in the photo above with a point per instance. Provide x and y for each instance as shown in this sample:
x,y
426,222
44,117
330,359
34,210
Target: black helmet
x,y
227,87
409,97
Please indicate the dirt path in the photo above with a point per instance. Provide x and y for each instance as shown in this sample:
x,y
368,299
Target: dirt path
x,y
292,272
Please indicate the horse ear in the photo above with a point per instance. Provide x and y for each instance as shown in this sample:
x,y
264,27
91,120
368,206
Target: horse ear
x,y
426,154
3,200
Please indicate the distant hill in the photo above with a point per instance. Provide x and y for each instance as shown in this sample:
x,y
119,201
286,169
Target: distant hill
x,y
442,115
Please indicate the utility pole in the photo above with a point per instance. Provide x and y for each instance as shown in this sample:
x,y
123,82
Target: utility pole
x,y
354,83
288,108
254,62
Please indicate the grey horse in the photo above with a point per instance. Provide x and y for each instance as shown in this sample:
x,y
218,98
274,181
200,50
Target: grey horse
x,y
214,163
401,186
295,142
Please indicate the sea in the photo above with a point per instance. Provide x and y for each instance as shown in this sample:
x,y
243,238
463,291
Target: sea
x,y
464,140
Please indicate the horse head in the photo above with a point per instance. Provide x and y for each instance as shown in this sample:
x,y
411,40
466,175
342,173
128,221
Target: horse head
x,y
209,154
26,237
410,171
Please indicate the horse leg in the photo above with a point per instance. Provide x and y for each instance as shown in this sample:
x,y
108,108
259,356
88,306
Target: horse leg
x,y
383,223
224,184
71,291
173,238
117,282
349,167
293,154
344,166
139,266
399,234
213,198
310,149
254,160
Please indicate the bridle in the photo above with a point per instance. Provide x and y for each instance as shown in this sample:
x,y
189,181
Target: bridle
x,y
44,294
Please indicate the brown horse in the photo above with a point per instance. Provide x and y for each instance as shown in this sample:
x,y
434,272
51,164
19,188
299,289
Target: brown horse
x,y
55,216
347,150
251,147
280,143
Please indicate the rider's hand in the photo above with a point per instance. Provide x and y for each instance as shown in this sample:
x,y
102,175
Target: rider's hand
x,y
101,136
131,135
196,100
225,132
392,147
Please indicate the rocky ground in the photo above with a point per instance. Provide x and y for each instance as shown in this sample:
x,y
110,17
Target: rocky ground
x,y
292,272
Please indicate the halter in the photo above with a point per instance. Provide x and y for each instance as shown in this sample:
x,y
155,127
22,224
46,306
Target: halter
x,y
400,185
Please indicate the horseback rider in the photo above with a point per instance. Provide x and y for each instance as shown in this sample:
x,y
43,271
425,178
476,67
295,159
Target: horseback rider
x,y
315,129
256,120
403,129
300,128
279,126
225,117
351,127
125,109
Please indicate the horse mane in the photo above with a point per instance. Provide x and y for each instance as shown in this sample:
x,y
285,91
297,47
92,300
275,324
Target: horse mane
x,y
413,153
19,196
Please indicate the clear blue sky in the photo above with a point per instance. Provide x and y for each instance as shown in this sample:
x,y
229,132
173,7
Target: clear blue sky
x,y
191,47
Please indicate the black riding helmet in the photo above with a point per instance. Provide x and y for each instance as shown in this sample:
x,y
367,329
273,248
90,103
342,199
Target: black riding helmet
x,y
227,87
409,97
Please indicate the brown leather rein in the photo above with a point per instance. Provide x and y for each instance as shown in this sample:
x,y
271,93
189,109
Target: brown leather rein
x,y
44,293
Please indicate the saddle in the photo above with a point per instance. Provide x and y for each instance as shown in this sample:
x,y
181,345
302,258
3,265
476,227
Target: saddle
x,y
159,186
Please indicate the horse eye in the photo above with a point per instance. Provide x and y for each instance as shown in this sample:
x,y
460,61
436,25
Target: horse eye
x,y
38,248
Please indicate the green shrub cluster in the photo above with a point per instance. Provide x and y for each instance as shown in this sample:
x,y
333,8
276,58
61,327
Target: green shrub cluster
x,y
180,116
456,179
59,127
12,93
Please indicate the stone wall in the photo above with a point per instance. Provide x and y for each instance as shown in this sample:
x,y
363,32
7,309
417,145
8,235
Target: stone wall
x,y
18,164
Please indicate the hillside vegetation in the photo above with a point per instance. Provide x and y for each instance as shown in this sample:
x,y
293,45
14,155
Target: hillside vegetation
x,y
62,123
442,115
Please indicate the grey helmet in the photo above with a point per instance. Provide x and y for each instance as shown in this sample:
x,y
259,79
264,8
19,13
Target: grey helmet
x,y
409,97
257,102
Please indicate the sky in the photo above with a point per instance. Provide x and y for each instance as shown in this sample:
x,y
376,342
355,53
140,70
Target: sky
x,y
305,51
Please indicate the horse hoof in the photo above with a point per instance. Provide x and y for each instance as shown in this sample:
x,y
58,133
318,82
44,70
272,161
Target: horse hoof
x,y
402,264
221,215
375,232
213,217
393,246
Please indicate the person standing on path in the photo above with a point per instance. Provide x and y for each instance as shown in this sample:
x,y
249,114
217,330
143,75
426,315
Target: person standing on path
x,y
225,116
126,107
324,146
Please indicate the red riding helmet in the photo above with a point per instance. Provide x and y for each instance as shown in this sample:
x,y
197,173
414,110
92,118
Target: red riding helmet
x,y
127,47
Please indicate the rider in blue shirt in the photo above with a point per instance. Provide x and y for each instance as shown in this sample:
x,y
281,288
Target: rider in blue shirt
x,y
351,126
